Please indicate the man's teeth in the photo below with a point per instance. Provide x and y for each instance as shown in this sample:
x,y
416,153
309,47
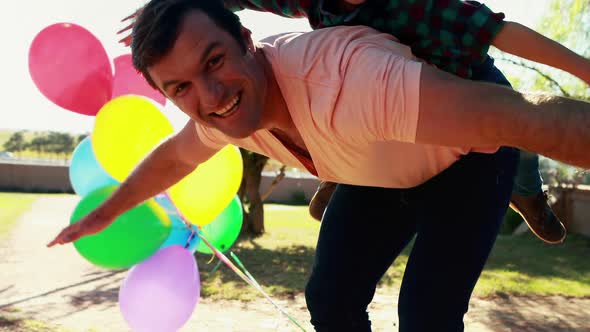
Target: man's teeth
x,y
228,107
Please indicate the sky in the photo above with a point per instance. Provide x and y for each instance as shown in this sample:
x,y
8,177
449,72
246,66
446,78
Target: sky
x,y
24,107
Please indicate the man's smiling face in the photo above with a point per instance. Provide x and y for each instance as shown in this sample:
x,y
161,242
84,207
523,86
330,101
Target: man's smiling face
x,y
212,78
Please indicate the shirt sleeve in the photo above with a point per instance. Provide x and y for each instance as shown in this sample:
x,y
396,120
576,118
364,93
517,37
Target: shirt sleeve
x,y
379,96
286,8
481,27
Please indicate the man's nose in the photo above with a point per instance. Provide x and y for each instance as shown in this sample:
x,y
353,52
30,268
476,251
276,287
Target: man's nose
x,y
211,92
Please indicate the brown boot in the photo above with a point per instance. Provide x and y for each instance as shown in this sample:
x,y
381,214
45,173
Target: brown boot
x,y
320,199
539,216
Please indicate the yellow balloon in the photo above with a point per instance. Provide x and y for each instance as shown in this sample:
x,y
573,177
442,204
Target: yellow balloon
x,y
126,129
207,191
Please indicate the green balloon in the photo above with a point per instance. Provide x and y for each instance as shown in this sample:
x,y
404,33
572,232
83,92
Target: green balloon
x,y
224,230
130,239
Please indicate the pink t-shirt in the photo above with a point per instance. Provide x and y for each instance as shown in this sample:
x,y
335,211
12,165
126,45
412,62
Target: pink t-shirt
x,y
353,95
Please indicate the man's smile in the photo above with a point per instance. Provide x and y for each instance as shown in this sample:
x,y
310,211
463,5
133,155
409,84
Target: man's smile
x,y
230,108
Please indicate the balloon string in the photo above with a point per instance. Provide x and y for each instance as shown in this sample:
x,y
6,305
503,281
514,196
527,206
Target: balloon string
x,y
239,262
182,217
229,264
250,282
184,220
216,267
190,238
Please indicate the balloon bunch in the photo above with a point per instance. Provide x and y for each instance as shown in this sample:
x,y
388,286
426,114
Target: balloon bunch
x,y
71,68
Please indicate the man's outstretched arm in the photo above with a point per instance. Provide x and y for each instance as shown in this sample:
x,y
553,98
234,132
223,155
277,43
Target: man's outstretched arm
x,y
457,112
167,164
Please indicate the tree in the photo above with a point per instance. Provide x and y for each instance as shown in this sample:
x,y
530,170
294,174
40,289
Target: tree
x,y
16,143
249,192
38,144
568,22
80,138
59,143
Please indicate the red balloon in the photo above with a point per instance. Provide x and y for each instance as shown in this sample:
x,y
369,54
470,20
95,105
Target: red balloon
x,y
71,68
128,81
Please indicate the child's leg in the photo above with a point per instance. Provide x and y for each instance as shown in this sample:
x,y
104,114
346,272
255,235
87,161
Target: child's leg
x,y
528,198
528,180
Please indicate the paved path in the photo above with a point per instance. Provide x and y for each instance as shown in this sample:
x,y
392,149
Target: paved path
x,y
56,285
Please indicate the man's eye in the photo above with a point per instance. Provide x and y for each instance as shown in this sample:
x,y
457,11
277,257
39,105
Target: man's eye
x,y
179,89
214,61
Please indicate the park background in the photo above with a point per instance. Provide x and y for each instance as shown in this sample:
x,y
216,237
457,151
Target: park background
x,y
527,285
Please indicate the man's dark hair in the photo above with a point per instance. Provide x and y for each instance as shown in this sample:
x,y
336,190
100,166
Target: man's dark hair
x,y
158,25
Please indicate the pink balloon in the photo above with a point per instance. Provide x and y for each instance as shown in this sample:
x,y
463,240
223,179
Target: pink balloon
x,y
128,81
160,293
71,68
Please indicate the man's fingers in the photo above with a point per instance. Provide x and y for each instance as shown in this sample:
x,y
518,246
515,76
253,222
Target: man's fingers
x,y
66,236
58,240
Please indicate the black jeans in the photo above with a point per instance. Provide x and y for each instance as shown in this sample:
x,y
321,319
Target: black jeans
x,y
455,218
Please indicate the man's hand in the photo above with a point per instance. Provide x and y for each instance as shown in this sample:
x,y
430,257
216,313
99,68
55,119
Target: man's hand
x,y
91,224
126,40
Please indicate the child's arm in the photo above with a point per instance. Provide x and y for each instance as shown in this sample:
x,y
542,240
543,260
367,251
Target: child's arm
x,y
516,39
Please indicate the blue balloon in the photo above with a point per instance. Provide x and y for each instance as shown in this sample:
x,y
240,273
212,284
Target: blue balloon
x,y
165,203
86,174
180,233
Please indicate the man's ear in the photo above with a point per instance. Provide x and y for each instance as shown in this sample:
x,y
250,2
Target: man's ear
x,y
247,36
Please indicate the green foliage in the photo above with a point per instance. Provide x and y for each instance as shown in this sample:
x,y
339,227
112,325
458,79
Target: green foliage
x,y
555,173
15,143
42,144
298,198
60,143
567,22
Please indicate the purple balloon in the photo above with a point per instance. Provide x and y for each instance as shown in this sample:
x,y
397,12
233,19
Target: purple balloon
x,y
161,293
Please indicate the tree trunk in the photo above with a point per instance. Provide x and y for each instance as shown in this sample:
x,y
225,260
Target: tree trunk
x,y
249,193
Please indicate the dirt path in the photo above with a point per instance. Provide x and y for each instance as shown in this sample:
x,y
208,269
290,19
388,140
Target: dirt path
x,y
57,286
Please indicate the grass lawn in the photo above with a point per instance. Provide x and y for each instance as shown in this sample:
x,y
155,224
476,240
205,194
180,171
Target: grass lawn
x,y
12,205
281,260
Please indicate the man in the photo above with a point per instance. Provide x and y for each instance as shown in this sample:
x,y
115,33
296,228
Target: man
x,y
355,107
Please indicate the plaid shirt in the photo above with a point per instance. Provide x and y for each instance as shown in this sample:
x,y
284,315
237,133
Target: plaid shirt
x,y
453,35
